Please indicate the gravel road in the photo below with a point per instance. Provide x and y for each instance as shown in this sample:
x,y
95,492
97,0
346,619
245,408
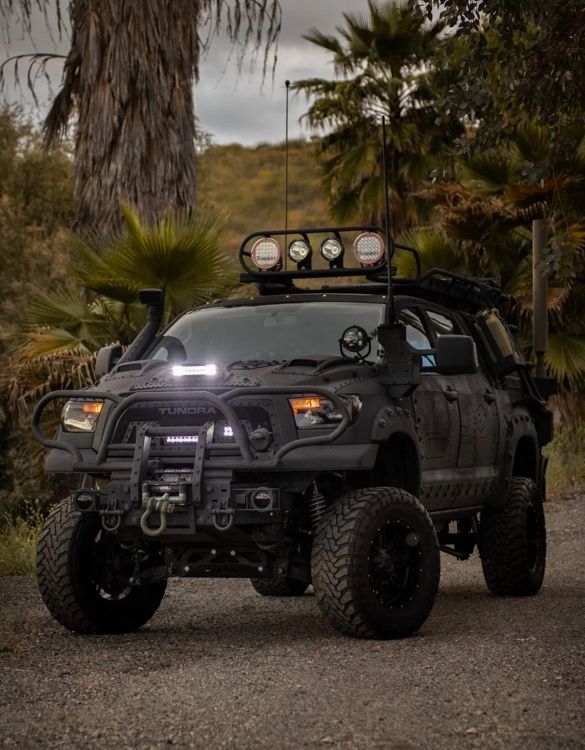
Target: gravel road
x,y
221,667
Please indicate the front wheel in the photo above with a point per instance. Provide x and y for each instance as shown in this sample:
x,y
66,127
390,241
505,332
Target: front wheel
x,y
75,573
512,542
376,564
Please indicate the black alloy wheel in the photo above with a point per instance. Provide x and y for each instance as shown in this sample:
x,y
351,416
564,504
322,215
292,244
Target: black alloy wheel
x,y
83,576
376,563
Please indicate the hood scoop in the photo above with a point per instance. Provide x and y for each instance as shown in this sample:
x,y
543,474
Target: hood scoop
x,y
309,365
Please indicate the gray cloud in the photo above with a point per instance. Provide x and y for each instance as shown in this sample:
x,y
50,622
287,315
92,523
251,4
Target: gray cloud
x,y
234,106
239,107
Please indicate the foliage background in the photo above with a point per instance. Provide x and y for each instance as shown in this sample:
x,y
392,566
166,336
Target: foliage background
x,y
471,163
243,185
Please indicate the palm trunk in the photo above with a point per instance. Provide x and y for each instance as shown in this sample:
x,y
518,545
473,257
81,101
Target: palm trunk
x,y
129,76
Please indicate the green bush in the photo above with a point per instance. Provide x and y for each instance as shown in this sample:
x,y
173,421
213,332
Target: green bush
x,y
18,539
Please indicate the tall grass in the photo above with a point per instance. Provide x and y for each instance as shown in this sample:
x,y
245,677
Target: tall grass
x,y
18,538
566,454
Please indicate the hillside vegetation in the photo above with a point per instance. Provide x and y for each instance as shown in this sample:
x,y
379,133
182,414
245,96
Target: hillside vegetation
x,y
247,186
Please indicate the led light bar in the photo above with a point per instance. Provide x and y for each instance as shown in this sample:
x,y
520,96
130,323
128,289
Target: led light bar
x,y
179,370
182,439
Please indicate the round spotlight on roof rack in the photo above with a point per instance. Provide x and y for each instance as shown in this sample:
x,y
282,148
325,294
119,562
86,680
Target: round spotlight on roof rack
x,y
266,254
299,250
369,248
331,249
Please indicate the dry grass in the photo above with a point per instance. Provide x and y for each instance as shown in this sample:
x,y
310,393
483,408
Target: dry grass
x,y
18,537
566,454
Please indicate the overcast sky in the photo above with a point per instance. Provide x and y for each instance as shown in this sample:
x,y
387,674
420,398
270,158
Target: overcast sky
x,y
232,106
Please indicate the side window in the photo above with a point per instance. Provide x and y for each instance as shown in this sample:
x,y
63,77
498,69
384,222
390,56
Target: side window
x,y
417,337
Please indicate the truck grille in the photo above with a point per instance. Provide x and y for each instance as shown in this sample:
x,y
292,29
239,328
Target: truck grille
x,y
197,414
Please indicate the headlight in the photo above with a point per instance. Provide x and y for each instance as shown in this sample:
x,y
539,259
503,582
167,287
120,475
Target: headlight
x,y
317,411
81,416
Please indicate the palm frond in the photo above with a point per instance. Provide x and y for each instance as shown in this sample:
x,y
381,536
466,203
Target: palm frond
x,y
565,359
435,249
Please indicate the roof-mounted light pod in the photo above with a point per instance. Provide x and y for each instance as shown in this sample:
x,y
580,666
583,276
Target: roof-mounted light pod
x,y
300,252
332,250
369,248
266,254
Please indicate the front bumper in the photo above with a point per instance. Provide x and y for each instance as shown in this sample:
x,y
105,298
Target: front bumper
x,y
204,486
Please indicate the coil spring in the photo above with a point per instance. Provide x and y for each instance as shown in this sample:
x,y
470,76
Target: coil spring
x,y
317,507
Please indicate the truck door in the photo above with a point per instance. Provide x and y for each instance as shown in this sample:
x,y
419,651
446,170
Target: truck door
x,y
478,427
437,419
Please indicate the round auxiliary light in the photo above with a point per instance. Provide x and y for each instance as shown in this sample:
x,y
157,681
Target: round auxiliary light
x,y
266,253
369,248
331,248
298,250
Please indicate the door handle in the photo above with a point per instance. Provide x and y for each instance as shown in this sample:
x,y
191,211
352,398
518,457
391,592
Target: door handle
x,y
489,397
451,394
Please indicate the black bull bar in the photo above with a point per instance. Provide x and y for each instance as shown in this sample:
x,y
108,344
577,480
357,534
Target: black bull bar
x,y
219,401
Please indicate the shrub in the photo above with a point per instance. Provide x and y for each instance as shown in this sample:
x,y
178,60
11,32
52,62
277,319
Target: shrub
x,y
566,456
18,538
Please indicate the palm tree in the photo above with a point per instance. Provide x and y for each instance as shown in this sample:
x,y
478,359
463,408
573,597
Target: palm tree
x,y
487,210
180,254
127,85
386,66
55,347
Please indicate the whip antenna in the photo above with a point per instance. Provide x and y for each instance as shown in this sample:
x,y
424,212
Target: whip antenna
x,y
390,309
287,84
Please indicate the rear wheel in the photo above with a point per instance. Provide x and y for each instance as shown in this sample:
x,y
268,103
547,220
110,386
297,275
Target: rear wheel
x,y
512,542
376,564
279,585
75,564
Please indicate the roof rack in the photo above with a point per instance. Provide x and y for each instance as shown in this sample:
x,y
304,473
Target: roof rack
x,y
252,275
435,284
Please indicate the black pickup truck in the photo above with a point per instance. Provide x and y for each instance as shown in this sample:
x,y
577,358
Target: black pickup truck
x,y
338,435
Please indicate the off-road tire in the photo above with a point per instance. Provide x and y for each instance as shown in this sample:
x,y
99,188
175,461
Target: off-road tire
x,y
347,564
65,581
512,542
279,585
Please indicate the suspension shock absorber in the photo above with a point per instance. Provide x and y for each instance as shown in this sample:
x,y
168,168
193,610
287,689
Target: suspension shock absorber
x,y
317,508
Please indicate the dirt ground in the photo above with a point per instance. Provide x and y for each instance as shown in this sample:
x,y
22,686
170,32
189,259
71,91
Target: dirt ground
x,y
221,667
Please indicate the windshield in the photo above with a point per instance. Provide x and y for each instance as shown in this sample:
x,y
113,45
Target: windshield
x,y
225,335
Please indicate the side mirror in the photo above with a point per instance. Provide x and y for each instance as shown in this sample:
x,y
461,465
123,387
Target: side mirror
x,y
107,357
456,355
